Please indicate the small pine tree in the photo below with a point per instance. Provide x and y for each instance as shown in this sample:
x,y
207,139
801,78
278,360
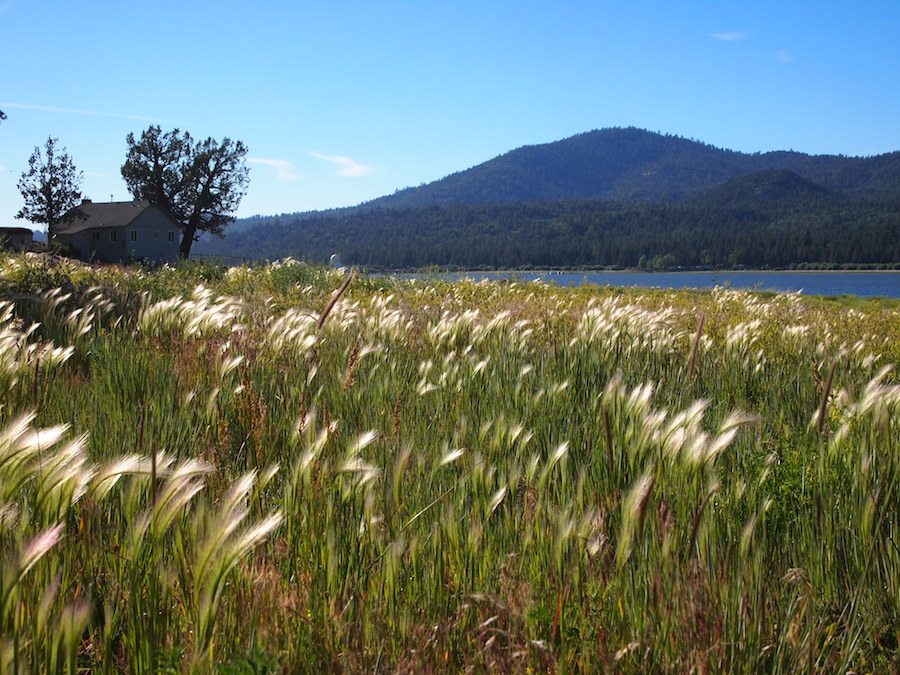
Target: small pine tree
x,y
51,188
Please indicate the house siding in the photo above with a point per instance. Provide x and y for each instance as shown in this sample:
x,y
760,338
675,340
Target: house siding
x,y
101,249
14,240
152,222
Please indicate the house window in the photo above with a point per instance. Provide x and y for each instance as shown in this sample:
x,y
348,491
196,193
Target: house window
x,y
95,235
171,235
112,235
134,235
155,235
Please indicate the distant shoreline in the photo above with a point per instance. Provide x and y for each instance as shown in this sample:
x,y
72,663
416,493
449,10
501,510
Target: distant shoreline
x,y
632,270
859,283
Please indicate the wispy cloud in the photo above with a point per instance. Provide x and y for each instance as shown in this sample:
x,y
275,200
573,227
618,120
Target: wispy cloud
x,y
284,169
733,36
347,167
34,107
784,56
5,6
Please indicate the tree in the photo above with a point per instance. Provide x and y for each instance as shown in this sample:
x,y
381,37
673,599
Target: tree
x,y
51,188
2,115
199,183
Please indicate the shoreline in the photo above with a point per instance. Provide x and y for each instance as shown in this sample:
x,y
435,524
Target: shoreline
x,y
883,284
635,271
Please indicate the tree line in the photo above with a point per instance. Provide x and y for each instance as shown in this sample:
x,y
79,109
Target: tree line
x,y
581,233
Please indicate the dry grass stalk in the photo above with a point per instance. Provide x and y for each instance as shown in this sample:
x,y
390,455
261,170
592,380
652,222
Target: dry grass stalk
x,y
352,362
35,382
692,360
334,298
823,405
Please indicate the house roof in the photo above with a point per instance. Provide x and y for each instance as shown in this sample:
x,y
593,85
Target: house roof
x,y
16,230
105,215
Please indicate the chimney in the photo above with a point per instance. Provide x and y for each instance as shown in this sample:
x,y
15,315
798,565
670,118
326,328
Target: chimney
x,y
85,201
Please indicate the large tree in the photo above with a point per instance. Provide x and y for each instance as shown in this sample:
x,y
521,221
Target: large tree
x,y
199,183
51,187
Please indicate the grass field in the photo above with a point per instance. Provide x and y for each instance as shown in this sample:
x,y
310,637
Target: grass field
x,y
204,468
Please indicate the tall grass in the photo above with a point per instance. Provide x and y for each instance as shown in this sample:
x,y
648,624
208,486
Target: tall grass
x,y
255,468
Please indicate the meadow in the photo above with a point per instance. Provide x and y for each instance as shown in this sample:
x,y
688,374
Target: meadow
x,y
263,468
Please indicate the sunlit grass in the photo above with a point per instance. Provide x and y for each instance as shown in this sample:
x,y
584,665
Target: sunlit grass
x,y
207,468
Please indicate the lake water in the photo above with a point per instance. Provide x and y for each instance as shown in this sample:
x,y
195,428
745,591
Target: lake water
x,y
864,284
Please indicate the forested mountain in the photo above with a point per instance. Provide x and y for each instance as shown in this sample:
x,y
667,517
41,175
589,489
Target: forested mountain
x,y
637,165
585,233
768,190
617,197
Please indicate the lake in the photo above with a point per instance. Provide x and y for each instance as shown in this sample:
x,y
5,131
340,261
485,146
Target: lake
x,y
863,284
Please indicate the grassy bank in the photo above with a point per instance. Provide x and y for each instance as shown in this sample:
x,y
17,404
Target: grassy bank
x,y
204,468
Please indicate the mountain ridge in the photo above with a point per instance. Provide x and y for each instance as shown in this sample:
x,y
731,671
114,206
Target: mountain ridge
x,y
616,197
630,164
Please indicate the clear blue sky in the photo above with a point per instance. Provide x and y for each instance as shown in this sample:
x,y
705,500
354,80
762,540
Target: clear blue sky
x,y
340,102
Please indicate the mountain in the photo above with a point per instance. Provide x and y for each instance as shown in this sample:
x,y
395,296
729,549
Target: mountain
x,y
617,197
767,189
639,166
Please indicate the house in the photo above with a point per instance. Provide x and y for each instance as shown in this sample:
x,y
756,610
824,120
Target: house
x,y
121,231
16,238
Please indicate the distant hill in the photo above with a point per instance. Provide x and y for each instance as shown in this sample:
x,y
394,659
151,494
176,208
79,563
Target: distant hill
x,y
636,165
767,189
619,197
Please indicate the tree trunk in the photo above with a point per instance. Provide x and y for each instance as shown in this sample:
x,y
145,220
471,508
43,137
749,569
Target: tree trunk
x,y
187,240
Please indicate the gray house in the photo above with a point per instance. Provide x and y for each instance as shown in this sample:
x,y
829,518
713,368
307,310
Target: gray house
x,y
16,238
120,231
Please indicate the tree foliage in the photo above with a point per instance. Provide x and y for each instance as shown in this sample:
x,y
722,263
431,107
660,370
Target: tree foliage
x,y
51,187
200,183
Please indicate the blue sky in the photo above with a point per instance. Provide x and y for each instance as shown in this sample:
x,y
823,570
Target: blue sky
x,y
340,102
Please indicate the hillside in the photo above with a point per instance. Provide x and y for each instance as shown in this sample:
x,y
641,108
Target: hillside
x,y
636,165
767,190
582,233
618,197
